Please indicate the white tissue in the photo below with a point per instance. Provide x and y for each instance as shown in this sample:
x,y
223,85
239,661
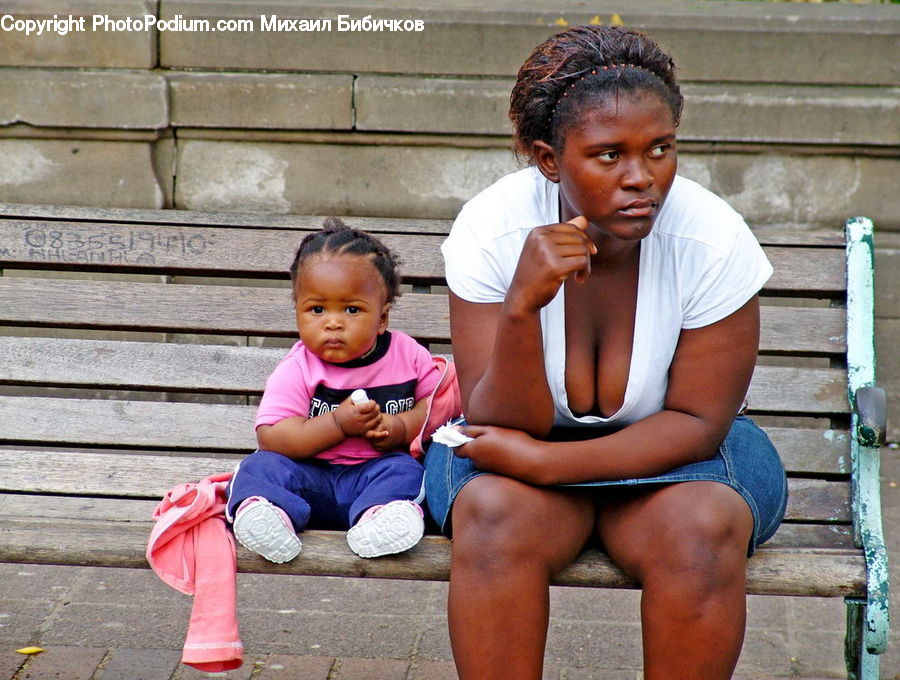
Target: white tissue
x,y
359,397
450,435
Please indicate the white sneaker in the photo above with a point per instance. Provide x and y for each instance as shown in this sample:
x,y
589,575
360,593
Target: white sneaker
x,y
266,530
387,529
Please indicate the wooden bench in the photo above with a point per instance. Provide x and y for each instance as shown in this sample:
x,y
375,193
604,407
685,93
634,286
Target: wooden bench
x,y
136,342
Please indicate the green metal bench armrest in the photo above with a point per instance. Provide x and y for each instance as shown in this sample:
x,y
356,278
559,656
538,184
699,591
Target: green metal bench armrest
x,y
867,427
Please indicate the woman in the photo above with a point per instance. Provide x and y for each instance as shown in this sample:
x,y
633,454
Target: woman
x,y
605,325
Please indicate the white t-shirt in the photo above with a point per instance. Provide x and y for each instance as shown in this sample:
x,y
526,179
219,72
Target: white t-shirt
x,y
699,264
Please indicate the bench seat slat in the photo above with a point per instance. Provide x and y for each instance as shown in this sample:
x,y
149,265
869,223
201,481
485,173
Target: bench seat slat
x,y
117,305
122,544
789,535
186,250
110,474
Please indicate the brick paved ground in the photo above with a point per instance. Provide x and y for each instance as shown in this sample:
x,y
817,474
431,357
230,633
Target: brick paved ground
x,y
118,624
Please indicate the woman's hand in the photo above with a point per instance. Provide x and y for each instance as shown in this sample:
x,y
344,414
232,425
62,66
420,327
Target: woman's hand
x,y
551,254
504,451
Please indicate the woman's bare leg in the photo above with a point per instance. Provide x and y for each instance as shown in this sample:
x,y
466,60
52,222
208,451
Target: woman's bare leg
x,y
508,538
687,545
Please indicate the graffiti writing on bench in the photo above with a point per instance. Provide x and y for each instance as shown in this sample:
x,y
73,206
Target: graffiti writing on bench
x,y
112,247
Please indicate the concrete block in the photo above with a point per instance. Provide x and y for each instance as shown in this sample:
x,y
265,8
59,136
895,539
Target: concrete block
x,y
83,99
336,179
887,340
163,158
887,275
443,105
267,101
773,188
790,114
77,43
92,173
722,112
710,41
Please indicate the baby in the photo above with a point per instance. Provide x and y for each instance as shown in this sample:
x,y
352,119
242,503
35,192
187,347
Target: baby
x,y
326,459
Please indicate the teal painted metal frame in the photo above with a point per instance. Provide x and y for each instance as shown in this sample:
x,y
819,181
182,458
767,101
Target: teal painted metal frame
x,y
867,619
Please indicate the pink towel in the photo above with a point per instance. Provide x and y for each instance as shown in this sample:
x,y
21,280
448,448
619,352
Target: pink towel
x,y
191,549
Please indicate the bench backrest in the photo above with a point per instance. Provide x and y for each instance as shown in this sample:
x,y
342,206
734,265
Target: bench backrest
x,y
141,340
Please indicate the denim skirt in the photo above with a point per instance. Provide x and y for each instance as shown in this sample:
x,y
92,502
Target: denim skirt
x,y
746,461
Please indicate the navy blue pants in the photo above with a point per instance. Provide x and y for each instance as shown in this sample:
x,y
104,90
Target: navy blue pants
x,y
320,494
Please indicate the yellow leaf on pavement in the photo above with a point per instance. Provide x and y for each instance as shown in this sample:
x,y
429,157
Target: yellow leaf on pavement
x,y
30,650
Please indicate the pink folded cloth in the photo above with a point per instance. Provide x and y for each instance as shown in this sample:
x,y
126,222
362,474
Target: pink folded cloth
x,y
191,549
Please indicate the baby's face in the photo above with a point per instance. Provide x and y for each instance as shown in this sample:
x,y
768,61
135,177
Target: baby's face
x,y
341,306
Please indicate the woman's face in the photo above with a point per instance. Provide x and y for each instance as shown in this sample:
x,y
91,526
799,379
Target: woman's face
x,y
617,165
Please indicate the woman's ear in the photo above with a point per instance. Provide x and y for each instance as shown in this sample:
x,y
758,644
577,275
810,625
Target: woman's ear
x,y
545,159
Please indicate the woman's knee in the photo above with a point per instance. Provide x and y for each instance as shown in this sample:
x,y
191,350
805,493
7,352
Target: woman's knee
x,y
693,539
499,522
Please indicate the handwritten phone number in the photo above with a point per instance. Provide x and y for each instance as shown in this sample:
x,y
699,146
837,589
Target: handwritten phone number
x,y
133,246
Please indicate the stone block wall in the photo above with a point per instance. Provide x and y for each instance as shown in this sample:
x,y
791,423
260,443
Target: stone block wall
x,y
792,110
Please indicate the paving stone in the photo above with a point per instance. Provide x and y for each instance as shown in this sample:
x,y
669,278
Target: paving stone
x,y
64,663
598,645
115,626
33,581
140,664
10,661
433,670
113,587
592,604
292,101
326,595
333,633
295,667
191,673
592,674
818,654
371,669
765,653
84,99
21,619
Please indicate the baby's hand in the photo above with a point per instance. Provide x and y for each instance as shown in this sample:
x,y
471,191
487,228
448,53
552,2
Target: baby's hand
x,y
356,420
389,436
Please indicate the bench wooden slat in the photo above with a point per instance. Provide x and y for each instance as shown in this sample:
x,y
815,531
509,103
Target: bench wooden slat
x,y
789,535
107,474
75,215
229,428
171,367
269,251
187,250
826,573
119,305
770,235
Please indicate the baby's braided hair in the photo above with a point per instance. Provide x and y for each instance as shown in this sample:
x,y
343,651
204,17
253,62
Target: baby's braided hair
x,y
336,238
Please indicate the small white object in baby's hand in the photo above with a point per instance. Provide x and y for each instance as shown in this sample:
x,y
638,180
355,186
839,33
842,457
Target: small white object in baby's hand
x,y
359,397
450,435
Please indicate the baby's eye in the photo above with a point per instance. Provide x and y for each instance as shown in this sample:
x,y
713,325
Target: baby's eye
x,y
352,310
660,150
608,156
317,309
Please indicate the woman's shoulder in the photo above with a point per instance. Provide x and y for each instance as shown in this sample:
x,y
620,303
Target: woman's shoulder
x,y
517,201
694,214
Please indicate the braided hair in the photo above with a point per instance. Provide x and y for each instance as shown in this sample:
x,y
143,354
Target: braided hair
x,y
581,67
336,238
